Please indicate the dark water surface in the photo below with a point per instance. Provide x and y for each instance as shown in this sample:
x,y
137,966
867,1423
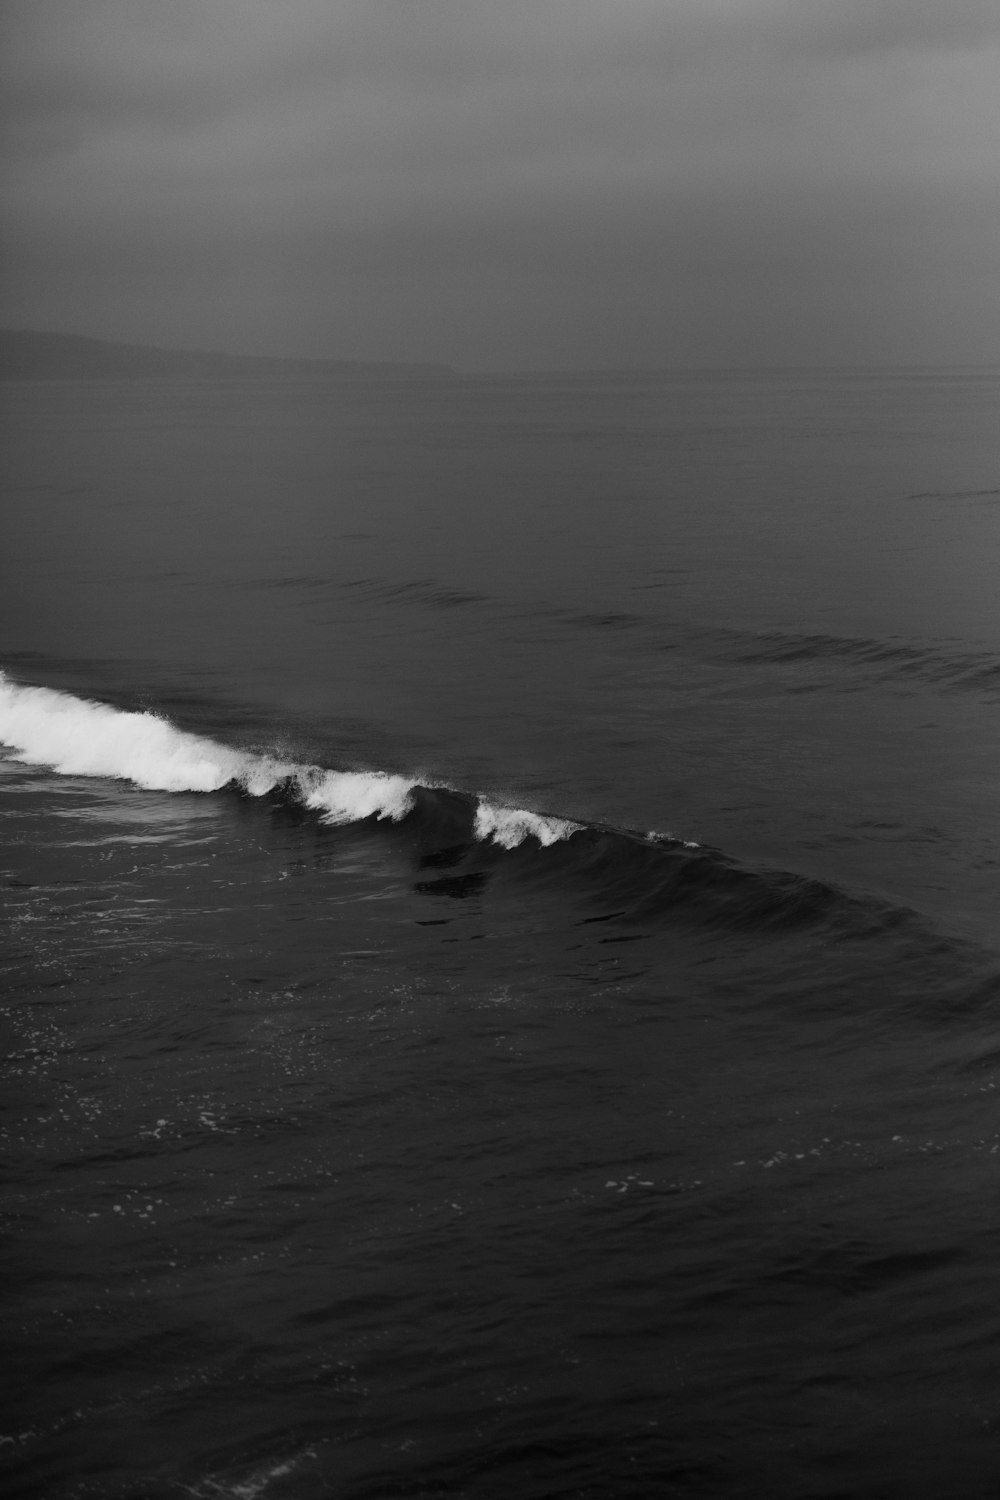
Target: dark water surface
x,y
502,970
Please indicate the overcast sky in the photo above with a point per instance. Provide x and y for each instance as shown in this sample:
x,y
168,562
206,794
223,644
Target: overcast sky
x,y
508,183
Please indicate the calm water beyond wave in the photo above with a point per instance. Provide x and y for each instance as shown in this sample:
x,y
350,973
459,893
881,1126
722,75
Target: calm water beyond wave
x,y
501,983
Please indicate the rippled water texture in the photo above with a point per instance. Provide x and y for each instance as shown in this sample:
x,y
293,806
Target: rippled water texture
x,y
501,967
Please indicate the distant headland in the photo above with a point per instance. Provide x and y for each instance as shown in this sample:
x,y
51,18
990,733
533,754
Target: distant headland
x,y
27,355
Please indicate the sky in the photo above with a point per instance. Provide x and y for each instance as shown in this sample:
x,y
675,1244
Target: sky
x,y
507,184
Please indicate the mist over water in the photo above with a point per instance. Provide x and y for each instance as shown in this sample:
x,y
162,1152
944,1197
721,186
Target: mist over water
x,y
502,969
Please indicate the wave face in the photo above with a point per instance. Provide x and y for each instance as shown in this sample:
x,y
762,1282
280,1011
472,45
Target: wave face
x,y
77,737
641,879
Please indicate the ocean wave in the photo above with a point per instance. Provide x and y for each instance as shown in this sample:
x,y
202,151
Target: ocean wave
x,y
883,659
861,660
78,737
430,593
635,883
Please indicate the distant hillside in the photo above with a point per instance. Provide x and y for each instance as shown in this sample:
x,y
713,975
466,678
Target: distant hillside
x,y
67,356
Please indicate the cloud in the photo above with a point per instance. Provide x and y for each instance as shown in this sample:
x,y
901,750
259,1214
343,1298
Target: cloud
x,y
490,174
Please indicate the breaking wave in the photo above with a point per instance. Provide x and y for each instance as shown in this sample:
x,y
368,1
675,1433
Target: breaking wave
x,y
632,883
78,737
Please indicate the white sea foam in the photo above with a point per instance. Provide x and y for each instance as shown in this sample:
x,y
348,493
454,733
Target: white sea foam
x,y
77,737
510,826
80,738
349,796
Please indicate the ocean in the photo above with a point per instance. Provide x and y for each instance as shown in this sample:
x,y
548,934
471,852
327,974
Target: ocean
x,y
501,974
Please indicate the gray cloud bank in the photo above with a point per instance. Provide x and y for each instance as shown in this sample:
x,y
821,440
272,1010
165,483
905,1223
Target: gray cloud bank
x,y
508,183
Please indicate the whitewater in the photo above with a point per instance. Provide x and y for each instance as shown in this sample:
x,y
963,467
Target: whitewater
x,y
77,737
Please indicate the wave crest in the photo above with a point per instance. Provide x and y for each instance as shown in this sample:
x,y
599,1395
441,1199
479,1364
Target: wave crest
x,y
351,796
77,737
510,826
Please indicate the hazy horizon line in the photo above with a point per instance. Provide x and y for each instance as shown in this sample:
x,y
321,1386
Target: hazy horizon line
x,y
500,371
